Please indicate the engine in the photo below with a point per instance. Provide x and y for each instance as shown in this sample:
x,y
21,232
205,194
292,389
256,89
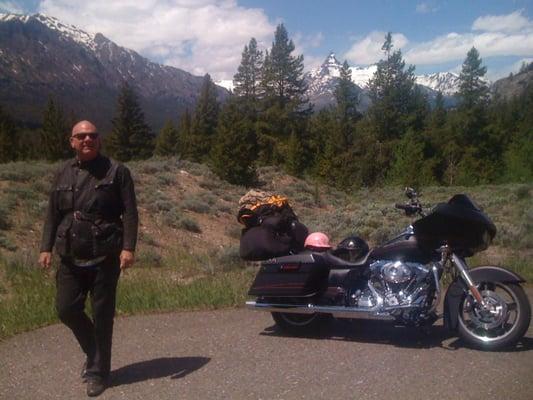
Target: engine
x,y
394,285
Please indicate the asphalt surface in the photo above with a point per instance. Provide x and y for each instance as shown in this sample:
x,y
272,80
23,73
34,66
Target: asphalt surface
x,y
237,354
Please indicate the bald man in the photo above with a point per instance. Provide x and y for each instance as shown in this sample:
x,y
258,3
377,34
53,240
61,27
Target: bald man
x,y
92,223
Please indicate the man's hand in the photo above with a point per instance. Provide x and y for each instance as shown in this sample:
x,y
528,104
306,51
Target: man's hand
x,y
126,259
45,259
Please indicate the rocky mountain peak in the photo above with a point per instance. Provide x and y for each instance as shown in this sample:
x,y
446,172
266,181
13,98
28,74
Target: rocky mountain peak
x,y
331,66
41,57
53,24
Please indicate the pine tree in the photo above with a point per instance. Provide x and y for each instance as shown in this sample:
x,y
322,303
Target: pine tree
x,y
285,108
235,146
184,133
296,161
346,97
391,91
204,123
131,138
473,90
479,159
248,76
166,143
55,133
9,150
283,80
410,166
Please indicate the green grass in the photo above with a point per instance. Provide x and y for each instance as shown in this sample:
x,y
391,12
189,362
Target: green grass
x,y
27,293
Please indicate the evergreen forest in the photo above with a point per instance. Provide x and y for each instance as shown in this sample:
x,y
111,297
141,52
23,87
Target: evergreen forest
x,y
268,120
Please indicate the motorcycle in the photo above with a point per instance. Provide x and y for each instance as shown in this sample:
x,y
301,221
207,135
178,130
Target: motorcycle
x,y
401,280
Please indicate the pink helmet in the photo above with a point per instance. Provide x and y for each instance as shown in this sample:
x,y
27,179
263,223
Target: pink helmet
x,y
317,240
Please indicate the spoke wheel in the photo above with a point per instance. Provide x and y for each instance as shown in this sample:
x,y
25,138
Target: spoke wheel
x,y
501,322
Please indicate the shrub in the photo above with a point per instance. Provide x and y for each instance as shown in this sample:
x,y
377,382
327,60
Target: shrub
x,y
189,225
522,192
5,222
7,244
196,204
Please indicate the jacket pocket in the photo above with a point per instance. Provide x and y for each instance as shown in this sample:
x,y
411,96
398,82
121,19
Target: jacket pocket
x,y
62,239
64,197
107,238
106,198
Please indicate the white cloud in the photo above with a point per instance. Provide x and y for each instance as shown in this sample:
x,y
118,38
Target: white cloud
x,y
199,36
368,50
514,22
426,7
505,35
302,44
9,7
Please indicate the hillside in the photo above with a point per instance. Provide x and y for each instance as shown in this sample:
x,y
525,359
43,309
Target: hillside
x,y
187,255
183,206
42,57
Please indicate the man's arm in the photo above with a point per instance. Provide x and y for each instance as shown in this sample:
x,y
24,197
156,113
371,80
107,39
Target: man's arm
x,y
52,220
130,218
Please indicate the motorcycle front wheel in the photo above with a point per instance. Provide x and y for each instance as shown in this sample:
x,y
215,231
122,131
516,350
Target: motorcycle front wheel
x,y
301,324
500,324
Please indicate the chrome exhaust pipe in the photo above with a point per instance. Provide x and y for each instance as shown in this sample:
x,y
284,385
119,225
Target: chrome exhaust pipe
x,y
336,311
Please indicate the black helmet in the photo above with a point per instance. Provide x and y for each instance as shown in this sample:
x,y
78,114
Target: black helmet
x,y
352,248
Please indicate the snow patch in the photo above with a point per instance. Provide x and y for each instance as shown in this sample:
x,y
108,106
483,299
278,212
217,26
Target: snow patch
x,y
226,84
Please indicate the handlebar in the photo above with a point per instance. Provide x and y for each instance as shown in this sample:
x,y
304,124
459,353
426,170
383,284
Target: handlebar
x,y
410,209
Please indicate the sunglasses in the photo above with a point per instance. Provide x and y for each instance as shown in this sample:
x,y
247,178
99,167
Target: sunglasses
x,y
82,136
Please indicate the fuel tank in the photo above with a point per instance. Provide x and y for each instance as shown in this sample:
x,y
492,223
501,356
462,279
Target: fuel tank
x,y
403,248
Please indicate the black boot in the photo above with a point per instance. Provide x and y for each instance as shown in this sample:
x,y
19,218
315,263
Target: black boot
x,y
95,386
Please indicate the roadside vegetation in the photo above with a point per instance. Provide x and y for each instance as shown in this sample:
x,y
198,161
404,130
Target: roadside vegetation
x,y
187,257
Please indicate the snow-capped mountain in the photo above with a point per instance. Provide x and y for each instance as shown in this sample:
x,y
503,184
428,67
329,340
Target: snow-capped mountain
x,y
323,80
42,57
445,82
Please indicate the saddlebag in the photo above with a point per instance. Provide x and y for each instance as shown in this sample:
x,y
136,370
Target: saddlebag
x,y
299,275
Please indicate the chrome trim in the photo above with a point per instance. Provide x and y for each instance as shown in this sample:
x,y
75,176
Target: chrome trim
x,y
438,287
381,313
463,269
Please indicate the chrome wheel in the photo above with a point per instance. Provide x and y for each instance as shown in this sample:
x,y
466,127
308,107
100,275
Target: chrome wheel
x,y
500,321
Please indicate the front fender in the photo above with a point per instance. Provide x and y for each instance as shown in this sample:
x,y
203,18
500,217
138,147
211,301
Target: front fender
x,y
458,289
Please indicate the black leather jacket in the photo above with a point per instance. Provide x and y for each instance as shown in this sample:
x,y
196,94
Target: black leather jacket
x,y
92,210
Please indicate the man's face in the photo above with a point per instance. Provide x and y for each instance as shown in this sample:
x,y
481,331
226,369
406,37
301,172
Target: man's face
x,y
86,141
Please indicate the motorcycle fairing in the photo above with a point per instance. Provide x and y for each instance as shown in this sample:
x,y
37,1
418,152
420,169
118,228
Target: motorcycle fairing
x,y
458,223
458,289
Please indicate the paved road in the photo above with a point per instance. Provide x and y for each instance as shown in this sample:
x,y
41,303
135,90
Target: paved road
x,y
236,354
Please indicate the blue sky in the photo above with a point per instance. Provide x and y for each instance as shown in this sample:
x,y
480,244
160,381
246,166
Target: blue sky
x,y
208,35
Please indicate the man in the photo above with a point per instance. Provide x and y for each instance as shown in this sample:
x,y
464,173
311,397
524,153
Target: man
x,y
92,222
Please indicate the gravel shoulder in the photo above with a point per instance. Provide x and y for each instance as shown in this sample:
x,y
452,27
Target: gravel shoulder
x,y
237,354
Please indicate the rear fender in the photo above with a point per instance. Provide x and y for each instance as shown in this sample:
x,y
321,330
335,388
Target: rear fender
x,y
458,289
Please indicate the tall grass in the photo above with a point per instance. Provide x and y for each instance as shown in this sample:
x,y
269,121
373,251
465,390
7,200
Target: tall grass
x,y
27,294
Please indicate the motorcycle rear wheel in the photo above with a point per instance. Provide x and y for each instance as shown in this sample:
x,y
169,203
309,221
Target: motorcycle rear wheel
x,y
503,324
301,324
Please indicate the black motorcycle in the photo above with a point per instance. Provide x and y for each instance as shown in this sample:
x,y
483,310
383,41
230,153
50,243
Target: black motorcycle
x,y
401,280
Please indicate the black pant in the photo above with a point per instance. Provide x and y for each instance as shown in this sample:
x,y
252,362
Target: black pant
x,y
94,336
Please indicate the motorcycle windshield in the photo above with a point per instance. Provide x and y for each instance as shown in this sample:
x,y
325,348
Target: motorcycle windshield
x,y
458,223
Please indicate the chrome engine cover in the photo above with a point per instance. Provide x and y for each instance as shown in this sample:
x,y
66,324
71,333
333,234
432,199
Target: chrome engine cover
x,y
396,272
398,283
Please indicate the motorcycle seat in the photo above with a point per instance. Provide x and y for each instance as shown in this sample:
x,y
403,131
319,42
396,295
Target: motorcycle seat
x,y
336,262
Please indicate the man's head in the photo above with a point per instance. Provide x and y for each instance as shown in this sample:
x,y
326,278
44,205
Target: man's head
x,y
85,140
